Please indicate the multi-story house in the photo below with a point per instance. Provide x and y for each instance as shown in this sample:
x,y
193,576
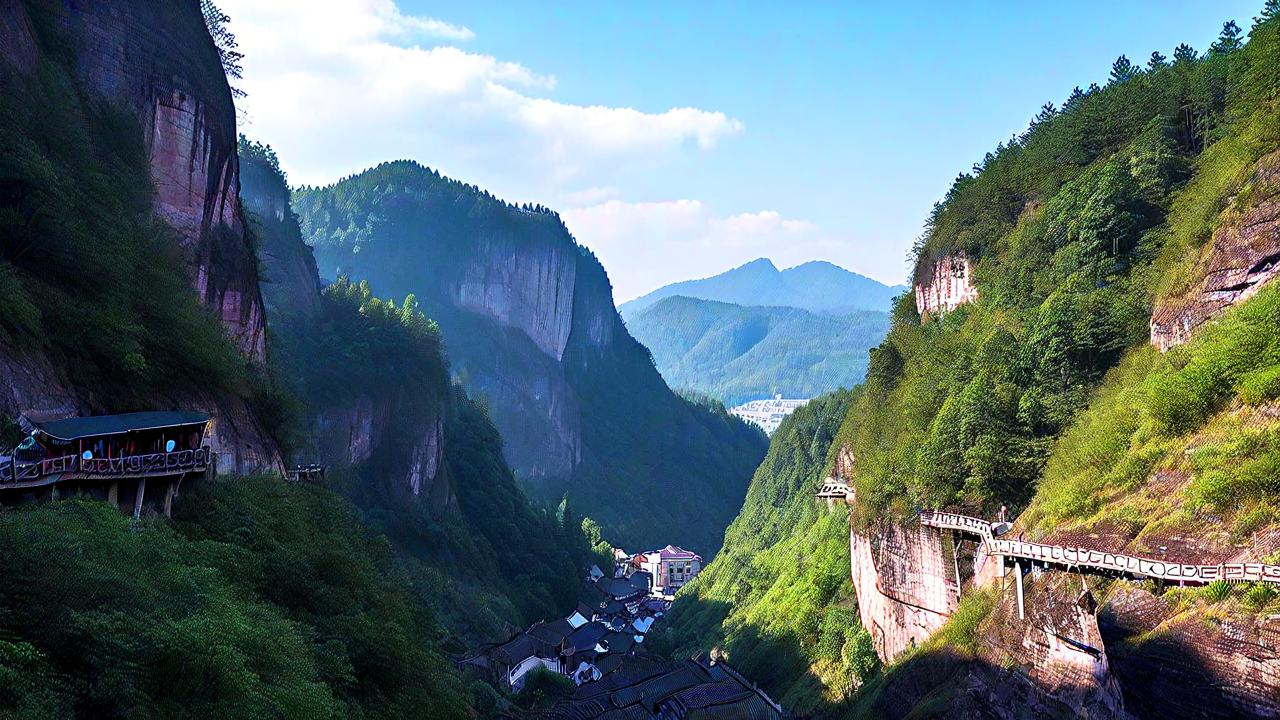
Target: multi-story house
x,y
672,568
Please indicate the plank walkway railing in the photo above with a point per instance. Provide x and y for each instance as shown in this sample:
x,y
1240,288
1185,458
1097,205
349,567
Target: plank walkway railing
x,y
148,464
1077,557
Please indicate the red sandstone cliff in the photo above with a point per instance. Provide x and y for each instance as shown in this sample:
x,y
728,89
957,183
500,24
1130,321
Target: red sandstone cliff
x,y
1243,255
158,59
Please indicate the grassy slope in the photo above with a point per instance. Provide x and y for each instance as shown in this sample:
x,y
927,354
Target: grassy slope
x,y
737,353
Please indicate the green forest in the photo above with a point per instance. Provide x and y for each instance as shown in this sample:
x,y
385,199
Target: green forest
x,y
1077,225
499,559
271,598
260,598
777,601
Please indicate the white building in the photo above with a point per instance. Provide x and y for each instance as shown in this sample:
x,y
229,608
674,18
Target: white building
x,y
768,414
671,568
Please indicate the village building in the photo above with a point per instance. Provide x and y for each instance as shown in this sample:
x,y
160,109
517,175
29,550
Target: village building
x,y
671,568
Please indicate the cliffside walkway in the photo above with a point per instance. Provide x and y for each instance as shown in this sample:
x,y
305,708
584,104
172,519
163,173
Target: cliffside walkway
x,y
1083,558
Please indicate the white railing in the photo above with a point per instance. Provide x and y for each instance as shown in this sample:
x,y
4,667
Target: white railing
x,y
1076,557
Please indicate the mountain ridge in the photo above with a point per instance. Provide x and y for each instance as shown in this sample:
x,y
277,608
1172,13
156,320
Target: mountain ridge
x,y
812,285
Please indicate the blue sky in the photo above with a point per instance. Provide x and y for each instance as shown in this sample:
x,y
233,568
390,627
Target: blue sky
x,y
681,139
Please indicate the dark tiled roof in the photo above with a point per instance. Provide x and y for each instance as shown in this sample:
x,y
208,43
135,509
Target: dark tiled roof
x,y
609,663
552,633
619,642
651,691
642,684
79,427
716,693
631,712
634,670
619,587
752,707
586,637
520,647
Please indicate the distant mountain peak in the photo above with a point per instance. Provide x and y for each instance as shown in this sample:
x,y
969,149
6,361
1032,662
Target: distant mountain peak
x,y
762,262
816,286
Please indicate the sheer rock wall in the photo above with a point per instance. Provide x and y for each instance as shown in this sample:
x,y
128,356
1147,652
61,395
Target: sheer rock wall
x,y
1243,255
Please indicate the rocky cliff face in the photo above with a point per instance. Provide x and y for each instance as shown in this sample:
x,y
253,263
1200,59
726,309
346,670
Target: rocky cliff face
x,y
905,584
517,299
1057,647
158,60
404,436
290,280
945,285
1174,665
353,433
525,286
1053,663
532,333
1243,255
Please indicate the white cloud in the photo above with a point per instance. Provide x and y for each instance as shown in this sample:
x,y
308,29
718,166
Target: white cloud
x,y
339,85
645,245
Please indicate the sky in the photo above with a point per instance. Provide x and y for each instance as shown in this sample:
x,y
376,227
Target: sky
x,y
678,140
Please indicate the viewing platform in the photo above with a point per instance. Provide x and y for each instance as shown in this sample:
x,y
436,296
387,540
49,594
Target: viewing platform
x,y
111,456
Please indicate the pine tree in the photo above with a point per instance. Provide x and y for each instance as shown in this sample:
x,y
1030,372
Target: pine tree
x,y
1270,11
1184,53
1122,70
1157,61
216,21
1228,41
1074,100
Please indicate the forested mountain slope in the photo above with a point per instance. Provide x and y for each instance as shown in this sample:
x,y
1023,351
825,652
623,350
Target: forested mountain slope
x,y
735,353
1021,373
816,286
533,333
777,601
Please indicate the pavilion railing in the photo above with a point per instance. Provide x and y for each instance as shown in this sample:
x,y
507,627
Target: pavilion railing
x,y
14,471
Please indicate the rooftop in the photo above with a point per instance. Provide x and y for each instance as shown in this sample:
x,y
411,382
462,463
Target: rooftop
x,y
98,425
